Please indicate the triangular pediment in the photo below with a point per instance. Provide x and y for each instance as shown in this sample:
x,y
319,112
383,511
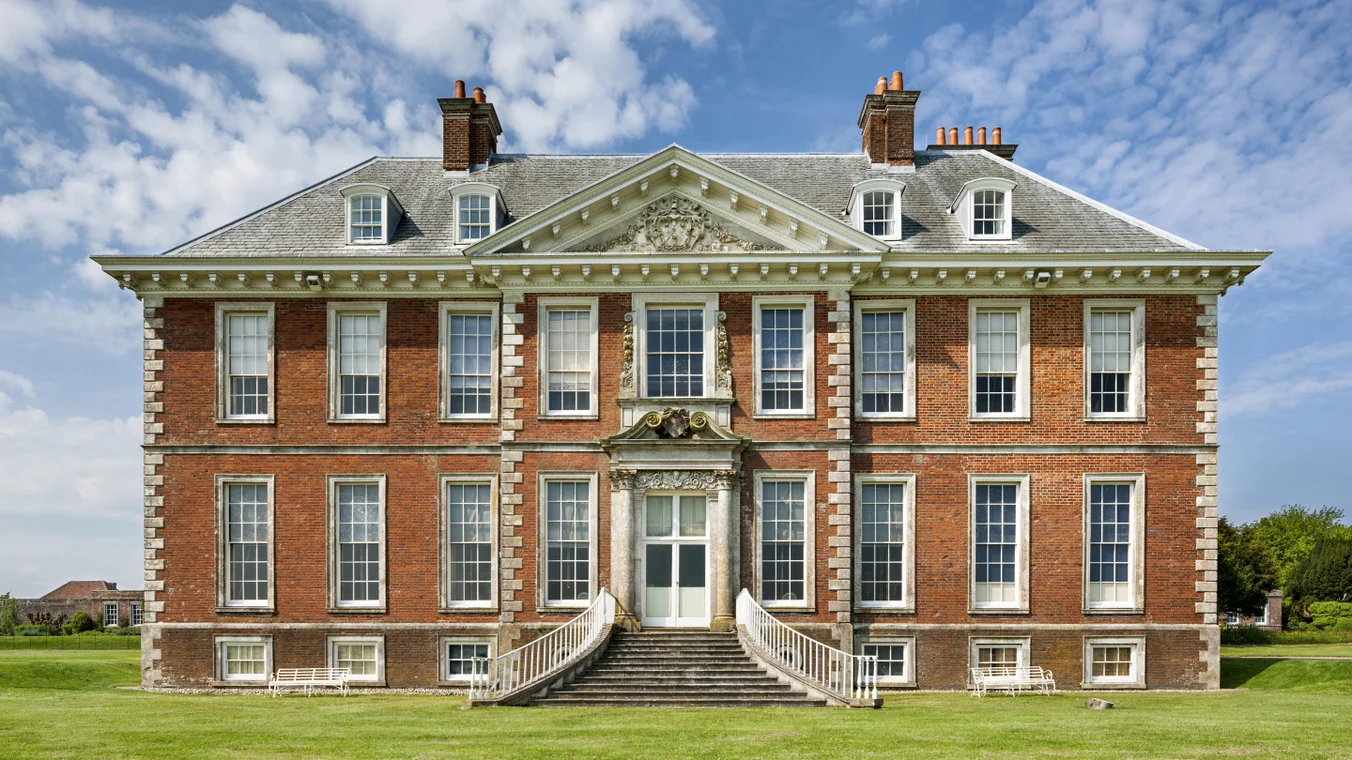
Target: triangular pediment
x,y
676,201
675,424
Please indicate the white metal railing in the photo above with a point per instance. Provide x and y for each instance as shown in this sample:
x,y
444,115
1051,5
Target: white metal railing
x,y
844,675
542,659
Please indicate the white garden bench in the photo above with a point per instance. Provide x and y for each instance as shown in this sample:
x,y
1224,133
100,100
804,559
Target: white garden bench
x,y
309,679
1012,680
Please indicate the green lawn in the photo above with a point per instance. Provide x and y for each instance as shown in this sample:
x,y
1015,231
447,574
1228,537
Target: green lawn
x,y
1289,650
63,705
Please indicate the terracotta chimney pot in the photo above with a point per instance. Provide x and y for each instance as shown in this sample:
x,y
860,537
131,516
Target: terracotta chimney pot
x,y
896,80
952,135
881,86
995,136
479,95
980,135
459,88
966,135
940,136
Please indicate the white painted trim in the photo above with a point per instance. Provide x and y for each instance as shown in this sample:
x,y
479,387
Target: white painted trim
x,y
1137,679
1136,568
543,306
445,310
218,646
1137,392
806,303
856,207
337,309
861,306
391,213
331,643
335,604
1021,546
497,209
709,303
908,678
117,615
907,603
443,662
1022,381
443,520
223,601
542,602
809,480
1024,643
224,310
964,206
1090,201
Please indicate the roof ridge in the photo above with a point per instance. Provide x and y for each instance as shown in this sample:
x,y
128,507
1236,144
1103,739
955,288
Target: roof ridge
x,y
269,207
1081,197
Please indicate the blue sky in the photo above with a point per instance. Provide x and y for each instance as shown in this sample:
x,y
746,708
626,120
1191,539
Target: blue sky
x,y
129,127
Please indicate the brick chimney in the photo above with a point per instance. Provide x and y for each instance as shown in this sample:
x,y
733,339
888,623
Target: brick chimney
x,y
469,129
888,123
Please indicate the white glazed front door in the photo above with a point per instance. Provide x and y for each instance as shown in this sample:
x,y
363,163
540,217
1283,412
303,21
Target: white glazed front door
x,y
676,561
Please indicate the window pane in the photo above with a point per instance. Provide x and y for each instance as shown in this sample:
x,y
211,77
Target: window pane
x,y
782,372
568,541
891,658
1109,544
568,360
469,357
358,543
1112,662
476,218
988,213
469,542
1110,361
878,213
246,364
783,541
246,530
997,656
460,656
882,542
675,352
995,527
360,658
366,218
244,661
359,372
882,374
996,358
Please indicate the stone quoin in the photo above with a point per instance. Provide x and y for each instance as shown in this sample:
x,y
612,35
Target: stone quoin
x,y
922,404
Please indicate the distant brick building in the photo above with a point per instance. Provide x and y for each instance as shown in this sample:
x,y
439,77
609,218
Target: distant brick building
x,y
101,600
923,404
1270,620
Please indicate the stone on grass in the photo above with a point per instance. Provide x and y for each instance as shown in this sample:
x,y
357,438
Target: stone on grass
x,y
1094,703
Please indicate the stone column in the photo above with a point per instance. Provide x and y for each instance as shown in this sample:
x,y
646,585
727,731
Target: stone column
x,y
622,547
725,523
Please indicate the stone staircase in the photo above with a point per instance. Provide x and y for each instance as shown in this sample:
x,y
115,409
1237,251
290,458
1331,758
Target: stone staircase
x,y
670,668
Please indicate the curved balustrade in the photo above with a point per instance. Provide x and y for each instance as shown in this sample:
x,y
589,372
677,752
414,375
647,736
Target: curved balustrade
x,y
543,659
843,675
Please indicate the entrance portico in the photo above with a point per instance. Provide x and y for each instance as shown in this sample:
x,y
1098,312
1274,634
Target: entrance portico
x,y
674,521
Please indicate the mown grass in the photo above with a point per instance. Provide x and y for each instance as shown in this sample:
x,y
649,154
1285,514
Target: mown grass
x,y
1289,650
63,705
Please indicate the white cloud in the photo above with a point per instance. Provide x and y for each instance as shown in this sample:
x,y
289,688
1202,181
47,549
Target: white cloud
x,y
109,323
878,42
15,380
68,468
1290,379
562,75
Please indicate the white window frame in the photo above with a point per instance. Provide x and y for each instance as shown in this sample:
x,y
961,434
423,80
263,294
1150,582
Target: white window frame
x,y
331,643
974,643
447,309
391,213
1233,619
1261,617
444,677
1136,388
335,605
907,603
809,480
1136,566
336,310
224,310
542,601
1137,678
443,512
544,306
223,601
907,679
964,207
116,615
1021,578
861,307
806,303
218,646
497,209
136,614
856,209
1022,381
708,303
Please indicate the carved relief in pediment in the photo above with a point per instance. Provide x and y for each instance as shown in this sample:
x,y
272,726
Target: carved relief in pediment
x,y
675,224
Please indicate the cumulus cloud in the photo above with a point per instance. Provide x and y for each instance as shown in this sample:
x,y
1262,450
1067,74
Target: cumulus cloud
x,y
1291,378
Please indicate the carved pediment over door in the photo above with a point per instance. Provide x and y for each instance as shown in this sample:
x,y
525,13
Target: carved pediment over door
x,y
675,224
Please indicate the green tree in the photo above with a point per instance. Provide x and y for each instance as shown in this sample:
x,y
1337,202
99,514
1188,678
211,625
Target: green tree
x,y
9,614
1325,575
1246,570
81,622
1292,531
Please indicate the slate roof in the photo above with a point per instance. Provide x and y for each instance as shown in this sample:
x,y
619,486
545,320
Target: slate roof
x,y
1046,218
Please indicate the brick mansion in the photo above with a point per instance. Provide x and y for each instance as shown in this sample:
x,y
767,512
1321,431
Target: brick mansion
x,y
922,406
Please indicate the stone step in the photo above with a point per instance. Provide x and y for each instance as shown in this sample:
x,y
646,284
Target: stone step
x,y
635,693
686,682
706,701
622,677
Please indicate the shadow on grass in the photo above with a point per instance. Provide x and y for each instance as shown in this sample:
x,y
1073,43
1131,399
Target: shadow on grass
x,y
1236,672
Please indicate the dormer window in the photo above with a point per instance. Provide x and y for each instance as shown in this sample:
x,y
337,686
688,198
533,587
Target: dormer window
x,y
373,213
479,212
984,206
875,208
